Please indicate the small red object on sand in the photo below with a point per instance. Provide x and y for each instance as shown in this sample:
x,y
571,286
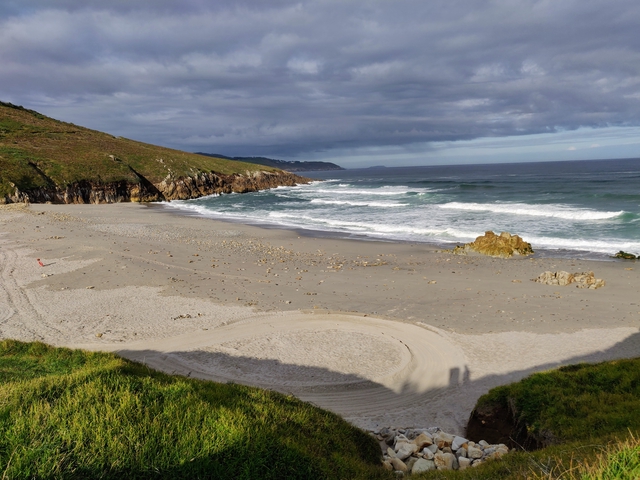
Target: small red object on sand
x,y
40,263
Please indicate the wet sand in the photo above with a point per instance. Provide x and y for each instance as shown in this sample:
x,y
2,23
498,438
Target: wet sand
x,y
386,334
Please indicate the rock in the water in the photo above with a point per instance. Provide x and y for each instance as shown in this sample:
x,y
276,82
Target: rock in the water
x,y
625,255
504,245
423,465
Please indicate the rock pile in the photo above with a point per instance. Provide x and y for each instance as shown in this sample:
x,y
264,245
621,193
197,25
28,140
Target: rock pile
x,y
562,278
504,245
419,450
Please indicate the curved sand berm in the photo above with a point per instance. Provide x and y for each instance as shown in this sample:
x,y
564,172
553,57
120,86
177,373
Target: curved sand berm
x,y
141,282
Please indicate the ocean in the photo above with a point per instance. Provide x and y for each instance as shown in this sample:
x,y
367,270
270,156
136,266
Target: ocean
x,y
578,209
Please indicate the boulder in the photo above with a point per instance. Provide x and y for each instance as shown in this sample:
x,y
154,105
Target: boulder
x,y
423,440
398,464
444,461
410,462
625,255
427,454
504,245
423,466
474,452
458,442
461,452
463,463
442,440
433,448
406,450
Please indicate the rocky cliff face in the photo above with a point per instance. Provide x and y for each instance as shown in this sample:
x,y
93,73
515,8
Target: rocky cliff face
x,y
181,188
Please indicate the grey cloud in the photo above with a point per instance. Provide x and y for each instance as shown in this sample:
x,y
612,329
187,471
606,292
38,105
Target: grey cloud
x,y
287,78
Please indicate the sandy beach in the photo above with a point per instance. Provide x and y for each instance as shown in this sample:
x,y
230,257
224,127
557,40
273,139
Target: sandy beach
x,y
385,334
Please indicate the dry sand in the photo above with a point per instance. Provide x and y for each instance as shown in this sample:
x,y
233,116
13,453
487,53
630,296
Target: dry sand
x,y
385,334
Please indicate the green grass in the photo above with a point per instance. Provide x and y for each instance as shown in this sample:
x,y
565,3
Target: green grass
x,y
76,414
574,402
586,415
63,153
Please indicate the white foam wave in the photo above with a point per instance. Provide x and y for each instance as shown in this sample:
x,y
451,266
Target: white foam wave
x,y
610,246
358,204
383,191
403,231
550,211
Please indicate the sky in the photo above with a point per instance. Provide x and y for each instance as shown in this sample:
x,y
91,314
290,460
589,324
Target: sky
x,y
404,82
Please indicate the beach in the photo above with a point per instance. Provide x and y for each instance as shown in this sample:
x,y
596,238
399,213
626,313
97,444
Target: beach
x,y
383,333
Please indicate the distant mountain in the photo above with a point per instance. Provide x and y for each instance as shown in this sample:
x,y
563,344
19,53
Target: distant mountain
x,y
290,166
46,160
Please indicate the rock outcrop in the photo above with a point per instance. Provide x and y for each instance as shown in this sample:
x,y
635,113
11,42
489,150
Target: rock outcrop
x,y
625,255
562,278
422,449
181,188
504,245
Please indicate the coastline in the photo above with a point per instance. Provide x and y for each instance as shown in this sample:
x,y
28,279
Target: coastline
x,y
574,255
311,315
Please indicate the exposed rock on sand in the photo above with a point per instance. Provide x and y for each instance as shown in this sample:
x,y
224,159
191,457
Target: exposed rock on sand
x,y
504,245
562,278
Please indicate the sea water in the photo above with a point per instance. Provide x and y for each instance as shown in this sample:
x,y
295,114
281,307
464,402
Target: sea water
x,y
586,209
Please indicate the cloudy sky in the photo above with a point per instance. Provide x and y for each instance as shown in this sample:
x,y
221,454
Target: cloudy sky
x,y
370,82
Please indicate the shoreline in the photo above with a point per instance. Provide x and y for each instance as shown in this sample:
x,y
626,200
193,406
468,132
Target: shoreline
x,y
585,255
305,315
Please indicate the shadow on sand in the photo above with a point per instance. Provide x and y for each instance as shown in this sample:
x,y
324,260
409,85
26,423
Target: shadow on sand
x,y
352,396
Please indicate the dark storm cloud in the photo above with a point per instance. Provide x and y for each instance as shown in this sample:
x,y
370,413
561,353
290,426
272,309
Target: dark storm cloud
x,y
285,78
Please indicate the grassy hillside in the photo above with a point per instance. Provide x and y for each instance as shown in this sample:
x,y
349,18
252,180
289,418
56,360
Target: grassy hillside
x,y
37,151
74,414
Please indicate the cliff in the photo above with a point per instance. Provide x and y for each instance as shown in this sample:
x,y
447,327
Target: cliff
x,y
182,188
45,160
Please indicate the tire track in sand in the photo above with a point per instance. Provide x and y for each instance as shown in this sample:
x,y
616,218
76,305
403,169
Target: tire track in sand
x,y
17,311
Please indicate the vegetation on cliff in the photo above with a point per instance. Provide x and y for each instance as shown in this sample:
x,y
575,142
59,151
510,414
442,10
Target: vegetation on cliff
x,y
42,159
75,414
288,165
